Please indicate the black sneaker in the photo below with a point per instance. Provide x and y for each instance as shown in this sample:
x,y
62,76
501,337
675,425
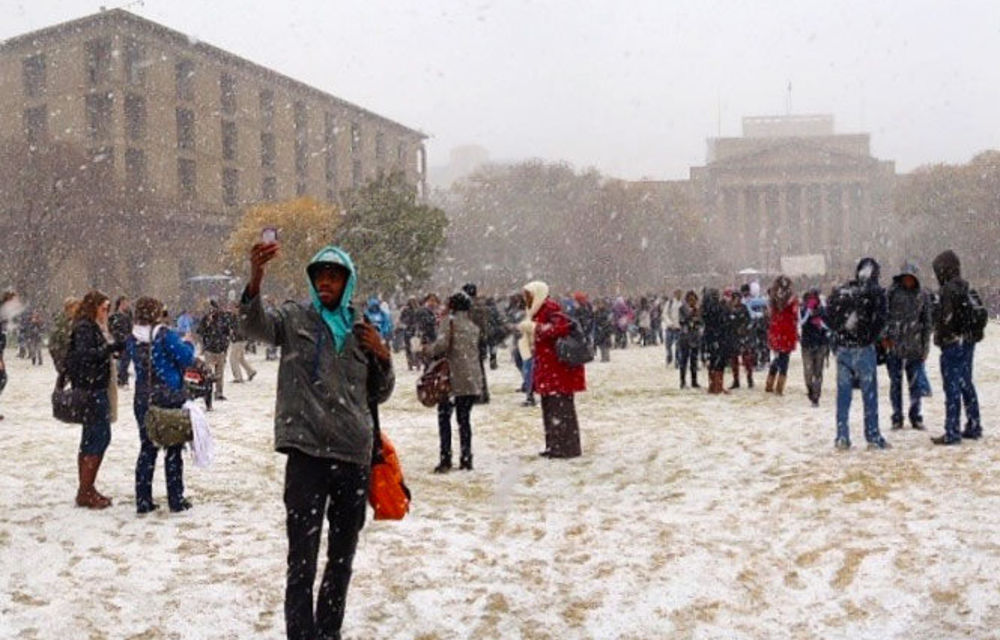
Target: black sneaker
x,y
917,423
146,507
972,434
897,424
947,440
251,376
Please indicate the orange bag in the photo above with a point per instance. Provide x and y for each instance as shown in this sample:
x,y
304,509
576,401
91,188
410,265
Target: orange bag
x,y
387,492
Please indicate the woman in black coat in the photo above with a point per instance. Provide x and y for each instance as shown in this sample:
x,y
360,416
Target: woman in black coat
x,y
89,367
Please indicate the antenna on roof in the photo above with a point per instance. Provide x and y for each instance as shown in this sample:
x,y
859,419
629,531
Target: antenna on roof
x,y
127,5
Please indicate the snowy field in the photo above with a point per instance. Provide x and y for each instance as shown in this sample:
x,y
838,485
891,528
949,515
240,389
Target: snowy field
x,y
689,516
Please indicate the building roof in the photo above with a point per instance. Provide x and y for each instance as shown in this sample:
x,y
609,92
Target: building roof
x,y
128,19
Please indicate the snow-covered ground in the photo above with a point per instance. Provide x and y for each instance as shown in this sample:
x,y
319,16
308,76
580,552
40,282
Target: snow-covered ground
x,y
688,516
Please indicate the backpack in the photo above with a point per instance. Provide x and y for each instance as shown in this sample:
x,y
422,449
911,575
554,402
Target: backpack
x,y
59,342
842,306
574,349
972,316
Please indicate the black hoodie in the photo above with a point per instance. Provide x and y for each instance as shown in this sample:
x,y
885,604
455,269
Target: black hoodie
x,y
858,310
953,293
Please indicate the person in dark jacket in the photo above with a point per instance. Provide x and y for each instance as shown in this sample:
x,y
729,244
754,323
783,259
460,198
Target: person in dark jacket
x,y
120,325
604,327
333,366
88,366
857,313
160,356
216,331
815,331
716,339
741,340
957,352
690,338
908,343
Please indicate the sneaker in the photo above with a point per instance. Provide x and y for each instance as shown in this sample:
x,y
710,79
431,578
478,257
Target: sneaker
x,y
972,434
917,423
947,440
879,445
236,382
842,444
897,424
251,376
220,397
146,507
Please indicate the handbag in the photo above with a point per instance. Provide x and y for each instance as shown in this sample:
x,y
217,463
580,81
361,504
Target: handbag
x,y
69,405
434,384
573,349
167,424
387,491
168,427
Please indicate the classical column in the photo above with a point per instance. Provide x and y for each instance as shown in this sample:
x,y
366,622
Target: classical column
x,y
825,225
783,236
807,224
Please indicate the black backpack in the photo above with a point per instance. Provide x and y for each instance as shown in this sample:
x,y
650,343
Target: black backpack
x,y
842,304
972,316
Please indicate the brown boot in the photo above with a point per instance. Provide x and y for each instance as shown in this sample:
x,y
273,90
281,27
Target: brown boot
x,y
779,386
769,385
86,495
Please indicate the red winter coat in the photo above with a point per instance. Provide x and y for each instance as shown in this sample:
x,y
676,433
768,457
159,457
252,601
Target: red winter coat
x,y
783,330
550,376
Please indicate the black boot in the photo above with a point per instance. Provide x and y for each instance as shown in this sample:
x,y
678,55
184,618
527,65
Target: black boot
x,y
465,463
444,466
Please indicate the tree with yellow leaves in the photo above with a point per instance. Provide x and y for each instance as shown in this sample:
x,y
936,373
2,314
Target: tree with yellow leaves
x,y
304,227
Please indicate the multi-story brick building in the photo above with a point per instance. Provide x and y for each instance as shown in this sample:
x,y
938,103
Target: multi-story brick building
x,y
200,129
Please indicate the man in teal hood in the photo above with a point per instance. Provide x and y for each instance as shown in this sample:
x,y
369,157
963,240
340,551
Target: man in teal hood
x,y
331,372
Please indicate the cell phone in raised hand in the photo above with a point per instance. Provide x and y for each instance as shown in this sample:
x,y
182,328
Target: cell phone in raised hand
x,y
269,235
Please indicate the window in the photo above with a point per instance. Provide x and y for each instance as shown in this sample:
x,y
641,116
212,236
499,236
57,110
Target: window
x,y
36,125
187,178
227,93
135,117
355,138
267,153
267,107
98,107
356,174
330,150
401,154
228,140
185,129
301,138
34,75
135,169
230,187
135,63
98,61
184,78
380,150
269,188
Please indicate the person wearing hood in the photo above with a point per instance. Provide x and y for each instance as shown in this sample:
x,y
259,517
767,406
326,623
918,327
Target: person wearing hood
x,y
758,307
815,343
957,344
716,339
555,381
908,342
480,316
604,328
782,333
459,343
857,312
159,355
331,366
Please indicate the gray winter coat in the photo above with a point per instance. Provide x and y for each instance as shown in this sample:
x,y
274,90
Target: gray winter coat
x,y
322,404
909,325
463,357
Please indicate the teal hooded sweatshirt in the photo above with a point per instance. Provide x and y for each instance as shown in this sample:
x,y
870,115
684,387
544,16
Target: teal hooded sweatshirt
x,y
341,319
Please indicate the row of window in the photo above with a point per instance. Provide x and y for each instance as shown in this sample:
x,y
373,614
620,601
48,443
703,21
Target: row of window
x,y
98,55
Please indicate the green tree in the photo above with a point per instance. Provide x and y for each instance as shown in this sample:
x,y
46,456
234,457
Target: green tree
x,y
393,239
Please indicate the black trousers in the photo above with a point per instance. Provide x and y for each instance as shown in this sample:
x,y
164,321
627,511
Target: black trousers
x,y
562,432
463,411
314,486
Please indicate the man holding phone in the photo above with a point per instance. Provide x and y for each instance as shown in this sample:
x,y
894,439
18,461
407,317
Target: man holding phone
x,y
331,368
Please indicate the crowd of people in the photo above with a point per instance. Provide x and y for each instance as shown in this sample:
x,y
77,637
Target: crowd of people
x,y
335,368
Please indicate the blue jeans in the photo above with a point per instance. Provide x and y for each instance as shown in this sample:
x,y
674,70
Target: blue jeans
x,y
857,363
96,434
896,367
145,464
527,367
670,338
956,372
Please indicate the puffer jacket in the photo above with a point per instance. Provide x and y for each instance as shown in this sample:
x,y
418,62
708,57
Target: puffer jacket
x,y
88,363
953,292
551,376
463,355
908,328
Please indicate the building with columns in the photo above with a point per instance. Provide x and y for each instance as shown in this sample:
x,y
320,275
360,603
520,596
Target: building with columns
x,y
791,186
203,132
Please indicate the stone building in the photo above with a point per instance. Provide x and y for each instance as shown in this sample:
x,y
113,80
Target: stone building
x,y
203,132
792,187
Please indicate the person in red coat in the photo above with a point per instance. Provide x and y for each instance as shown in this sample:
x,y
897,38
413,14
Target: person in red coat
x,y
553,380
782,332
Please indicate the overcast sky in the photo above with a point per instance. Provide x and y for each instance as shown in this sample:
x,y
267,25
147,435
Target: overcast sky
x,y
631,87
